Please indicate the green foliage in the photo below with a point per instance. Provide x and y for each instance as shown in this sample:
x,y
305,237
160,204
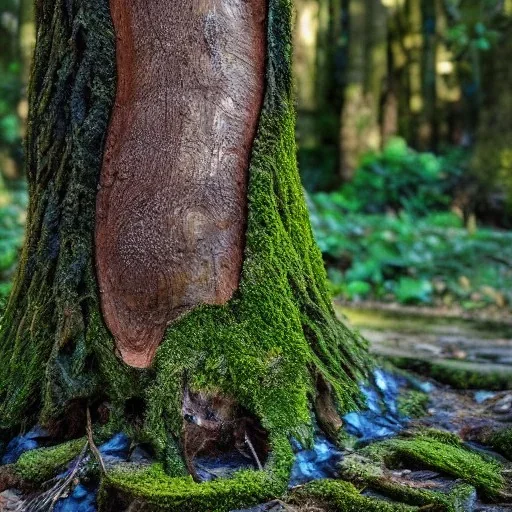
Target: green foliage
x,y
464,37
10,83
400,257
12,221
413,250
399,178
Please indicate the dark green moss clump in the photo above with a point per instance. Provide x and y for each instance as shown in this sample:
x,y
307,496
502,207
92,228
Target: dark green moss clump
x,y
38,466
339,496
413,404
501,441
430,452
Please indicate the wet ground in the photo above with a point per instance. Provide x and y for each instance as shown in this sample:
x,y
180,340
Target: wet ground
x,y
486,347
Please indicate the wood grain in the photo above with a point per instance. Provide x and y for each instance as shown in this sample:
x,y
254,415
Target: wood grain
x,y
171,206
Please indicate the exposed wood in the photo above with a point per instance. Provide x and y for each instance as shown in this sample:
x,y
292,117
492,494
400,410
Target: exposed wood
x,y
171,208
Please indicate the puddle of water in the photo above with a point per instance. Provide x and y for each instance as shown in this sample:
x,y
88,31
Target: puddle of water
x,y
81,499
381,418
23,443
321,461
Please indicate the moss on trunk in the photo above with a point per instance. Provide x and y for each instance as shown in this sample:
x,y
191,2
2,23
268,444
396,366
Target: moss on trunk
x,y
266,349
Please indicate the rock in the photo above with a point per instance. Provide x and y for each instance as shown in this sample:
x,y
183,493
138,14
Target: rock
x,y
11,500
504,405
116,449
272,506
482,396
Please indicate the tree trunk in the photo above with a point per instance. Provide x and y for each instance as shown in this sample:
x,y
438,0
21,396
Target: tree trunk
x,y
366,74
318,44
203,283
26,41
492,158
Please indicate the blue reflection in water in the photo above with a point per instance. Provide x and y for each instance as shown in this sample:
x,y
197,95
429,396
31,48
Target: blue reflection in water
x,y
380,418
82,499
319,462
23,443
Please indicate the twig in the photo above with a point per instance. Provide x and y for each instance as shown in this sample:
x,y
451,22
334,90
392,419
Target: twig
x,y
47,500
253,451
70,477
92,445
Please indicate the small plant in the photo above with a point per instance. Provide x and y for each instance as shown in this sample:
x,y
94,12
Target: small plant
x,y
389,235
399,178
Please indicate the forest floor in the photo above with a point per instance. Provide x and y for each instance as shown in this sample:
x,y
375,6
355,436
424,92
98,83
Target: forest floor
x,y
421,444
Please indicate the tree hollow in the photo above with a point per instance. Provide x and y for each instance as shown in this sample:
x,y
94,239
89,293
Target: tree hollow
x,y
171,206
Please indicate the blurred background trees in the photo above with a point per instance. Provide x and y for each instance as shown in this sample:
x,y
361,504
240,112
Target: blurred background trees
x,y
404,139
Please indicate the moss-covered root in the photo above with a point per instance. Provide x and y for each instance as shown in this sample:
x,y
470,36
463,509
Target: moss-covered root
x,y
379,466
459,374
38,466
499,439
151,489
338,496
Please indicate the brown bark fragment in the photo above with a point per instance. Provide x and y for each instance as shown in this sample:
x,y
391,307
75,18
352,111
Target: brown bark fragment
x,y
171,208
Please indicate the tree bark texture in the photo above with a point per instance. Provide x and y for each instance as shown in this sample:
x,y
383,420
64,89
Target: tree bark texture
x,y
262,331
171,208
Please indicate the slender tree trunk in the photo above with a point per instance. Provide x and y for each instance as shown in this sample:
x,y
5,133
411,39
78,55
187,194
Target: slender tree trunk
x,y
492,159
367,69
427,135
317,47
27,39
203,284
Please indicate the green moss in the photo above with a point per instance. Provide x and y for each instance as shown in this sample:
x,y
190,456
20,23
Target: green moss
x,y
443,436
44,354
158,491
372,472
265,348
459,374
341,496
44,463
501,441
457,461
413,404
